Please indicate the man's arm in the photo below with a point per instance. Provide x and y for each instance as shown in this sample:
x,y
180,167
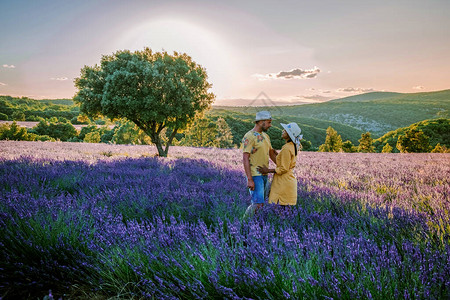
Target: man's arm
x,y
248,172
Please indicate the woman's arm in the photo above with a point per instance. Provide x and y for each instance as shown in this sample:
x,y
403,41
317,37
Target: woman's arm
x,y
284,161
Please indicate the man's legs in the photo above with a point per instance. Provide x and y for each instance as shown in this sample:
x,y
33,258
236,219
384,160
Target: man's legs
x,y
258,194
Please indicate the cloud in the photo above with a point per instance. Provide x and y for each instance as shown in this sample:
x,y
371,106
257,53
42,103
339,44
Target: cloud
x,y
1,83
59,78
419,87
316,98
357,90
319,90
292,74
9,66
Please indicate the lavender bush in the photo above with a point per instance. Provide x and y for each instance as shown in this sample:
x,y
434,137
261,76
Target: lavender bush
x,y
86,220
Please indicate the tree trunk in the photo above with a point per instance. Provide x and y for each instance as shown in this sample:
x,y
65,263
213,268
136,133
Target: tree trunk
x,y
169,142
156,139
161,151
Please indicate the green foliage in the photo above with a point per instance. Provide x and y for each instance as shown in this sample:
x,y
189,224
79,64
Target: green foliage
x,y
440,149
91,128
33,109
366,143
128,133
13,132
224,138
80,119
18,115
201,133
348,147
41,138
57,130
92,137
238,127
387,148
413,141
333,142
306,145
438,131
3,117
155,90
205,132
107,136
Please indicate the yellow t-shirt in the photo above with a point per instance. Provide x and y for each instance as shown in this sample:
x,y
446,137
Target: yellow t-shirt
x,y
258,145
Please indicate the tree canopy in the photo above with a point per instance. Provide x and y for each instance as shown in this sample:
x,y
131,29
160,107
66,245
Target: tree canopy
x,y
155,90
413,140
333,141
366,143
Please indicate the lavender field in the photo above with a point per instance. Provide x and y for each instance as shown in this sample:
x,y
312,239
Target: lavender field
x,y
113,221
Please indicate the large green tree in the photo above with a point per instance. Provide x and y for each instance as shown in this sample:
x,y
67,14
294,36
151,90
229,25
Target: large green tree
x,y
155,90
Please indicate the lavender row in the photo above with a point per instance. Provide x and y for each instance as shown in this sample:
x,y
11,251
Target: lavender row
x,y
173,228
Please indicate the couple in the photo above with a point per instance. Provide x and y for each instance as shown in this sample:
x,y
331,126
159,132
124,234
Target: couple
x,y
257,151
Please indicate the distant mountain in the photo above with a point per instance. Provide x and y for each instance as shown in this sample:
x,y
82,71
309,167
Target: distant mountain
x,y
68,102
367,97
380,112
376,112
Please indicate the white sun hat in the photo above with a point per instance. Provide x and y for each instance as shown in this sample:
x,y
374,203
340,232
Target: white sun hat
x,y
293,131
263,115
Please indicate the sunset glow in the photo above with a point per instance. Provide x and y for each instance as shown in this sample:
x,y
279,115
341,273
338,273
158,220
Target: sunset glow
x,y
294,52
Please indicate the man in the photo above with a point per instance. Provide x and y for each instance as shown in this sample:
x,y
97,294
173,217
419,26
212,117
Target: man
x,y
257,150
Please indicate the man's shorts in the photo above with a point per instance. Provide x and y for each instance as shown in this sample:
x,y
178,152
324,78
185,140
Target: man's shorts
x,y
261,189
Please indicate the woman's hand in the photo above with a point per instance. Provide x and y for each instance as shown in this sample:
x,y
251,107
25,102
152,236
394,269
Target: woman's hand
x,y
263,170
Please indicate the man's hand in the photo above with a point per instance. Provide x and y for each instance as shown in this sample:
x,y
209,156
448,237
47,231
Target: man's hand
x,y
251,184
263,170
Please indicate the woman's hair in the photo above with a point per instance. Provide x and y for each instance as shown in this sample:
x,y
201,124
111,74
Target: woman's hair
x,y
295,145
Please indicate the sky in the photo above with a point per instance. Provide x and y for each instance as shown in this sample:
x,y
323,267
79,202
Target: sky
x,y
254,52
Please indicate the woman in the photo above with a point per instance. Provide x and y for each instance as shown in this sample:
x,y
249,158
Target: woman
x,y
284,185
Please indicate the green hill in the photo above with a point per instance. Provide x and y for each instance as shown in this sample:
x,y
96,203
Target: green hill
x,y
438,130
377,112
367,97
313,130
33,109
380,115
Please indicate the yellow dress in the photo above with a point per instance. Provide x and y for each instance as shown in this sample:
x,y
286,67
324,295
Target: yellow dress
x,y
284,185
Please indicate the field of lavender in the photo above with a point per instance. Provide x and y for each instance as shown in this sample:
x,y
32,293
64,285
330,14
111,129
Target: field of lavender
x,y
113,221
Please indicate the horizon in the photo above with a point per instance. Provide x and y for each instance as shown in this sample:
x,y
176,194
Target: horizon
x,y
251,102
294,53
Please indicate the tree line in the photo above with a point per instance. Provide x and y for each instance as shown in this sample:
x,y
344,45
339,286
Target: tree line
x,y
207,132
411,140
